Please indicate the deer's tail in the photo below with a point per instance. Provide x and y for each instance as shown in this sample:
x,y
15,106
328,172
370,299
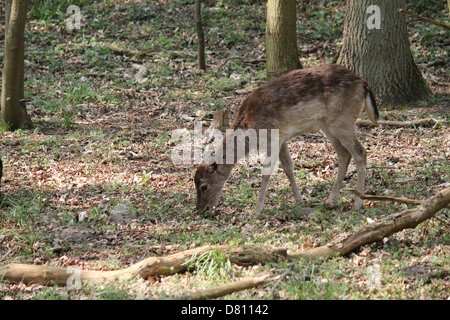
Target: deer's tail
x,y
370,105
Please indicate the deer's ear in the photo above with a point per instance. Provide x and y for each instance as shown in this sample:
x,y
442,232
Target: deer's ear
x,y
212,167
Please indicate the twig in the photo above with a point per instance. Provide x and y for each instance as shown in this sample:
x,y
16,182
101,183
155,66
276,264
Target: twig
x,y
225,289
438,23
341,245
119,50
280,279
429,122
382,198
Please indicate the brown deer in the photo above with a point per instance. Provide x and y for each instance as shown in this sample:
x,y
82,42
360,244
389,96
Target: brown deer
x,y
328,98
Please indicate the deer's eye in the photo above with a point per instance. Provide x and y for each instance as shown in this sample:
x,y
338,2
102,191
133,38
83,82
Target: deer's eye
x,y
203,187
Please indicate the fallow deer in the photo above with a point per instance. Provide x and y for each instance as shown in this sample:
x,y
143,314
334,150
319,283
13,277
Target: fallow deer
x,y
328,98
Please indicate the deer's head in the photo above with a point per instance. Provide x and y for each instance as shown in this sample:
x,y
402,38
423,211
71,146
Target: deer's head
x,y
208,183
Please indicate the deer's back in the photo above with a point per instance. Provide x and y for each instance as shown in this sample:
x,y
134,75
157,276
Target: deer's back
x,y
301,100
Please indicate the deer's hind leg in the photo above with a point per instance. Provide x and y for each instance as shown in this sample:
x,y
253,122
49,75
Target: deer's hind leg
x,y
286,163
344,157
347,145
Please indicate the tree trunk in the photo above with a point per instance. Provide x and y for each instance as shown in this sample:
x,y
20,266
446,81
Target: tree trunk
x,y
376,47
200,35
12,111
281,38
8,6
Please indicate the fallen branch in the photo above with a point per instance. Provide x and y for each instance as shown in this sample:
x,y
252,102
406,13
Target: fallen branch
x,y
245,255
172,264
421,122
438,23
119,50
381,198
376,231
225,289
346,243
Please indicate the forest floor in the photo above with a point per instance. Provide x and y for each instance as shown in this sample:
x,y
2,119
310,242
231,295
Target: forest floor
x,y
94,184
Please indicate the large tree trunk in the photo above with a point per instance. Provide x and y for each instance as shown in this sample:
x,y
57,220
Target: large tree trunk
x,y
281,38
376,47
12,111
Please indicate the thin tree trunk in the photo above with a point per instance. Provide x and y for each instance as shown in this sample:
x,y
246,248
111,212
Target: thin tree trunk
x,y
8,6
200,35
21,76
376,47
281,38
12,111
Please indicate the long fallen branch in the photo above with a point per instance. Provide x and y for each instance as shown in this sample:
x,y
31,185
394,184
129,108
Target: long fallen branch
x,y
346,243
245,255
428,122
220,291
168,265
381,198
438,23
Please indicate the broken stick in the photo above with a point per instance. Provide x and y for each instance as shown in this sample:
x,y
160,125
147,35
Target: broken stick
x,y
429,122
346,243
381,198
438,23
225,289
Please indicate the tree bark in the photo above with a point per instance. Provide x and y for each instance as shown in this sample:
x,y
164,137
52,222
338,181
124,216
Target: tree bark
x,y
376,47
200,35
8,6
12,111
281,38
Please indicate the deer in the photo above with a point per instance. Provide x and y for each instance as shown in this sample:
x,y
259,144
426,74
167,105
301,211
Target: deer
x,y
327,98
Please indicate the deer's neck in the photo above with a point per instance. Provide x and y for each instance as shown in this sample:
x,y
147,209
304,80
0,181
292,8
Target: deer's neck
x,y
230,150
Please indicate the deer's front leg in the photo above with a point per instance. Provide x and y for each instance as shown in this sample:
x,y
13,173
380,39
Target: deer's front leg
x,y
262,194
286,163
